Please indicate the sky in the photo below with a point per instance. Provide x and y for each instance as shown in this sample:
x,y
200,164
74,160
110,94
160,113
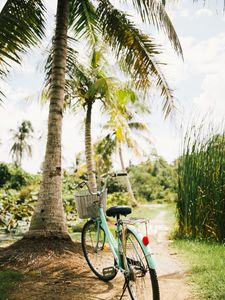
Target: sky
x,y
197,83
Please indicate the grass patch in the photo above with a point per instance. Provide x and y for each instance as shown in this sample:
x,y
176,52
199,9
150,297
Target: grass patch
x,y
8,281
206,265
170,215
145,211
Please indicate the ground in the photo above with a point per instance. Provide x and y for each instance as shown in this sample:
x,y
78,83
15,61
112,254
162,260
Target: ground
x,y
171,272
63,274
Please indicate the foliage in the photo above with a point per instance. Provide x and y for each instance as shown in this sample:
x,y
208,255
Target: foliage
x,y
16,208
154,180
139,51
103,150
68,189
201,197
5,174
206,267
21,26
17,197
8,281
136,51
122,123
13,177
19,178
115,185
19,193
118,198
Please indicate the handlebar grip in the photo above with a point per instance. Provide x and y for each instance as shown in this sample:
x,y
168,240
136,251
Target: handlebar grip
x,y
82,184
119,174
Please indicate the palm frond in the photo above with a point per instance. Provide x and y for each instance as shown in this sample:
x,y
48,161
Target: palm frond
x,y
101,87
138,50
21,26
83,19
154,12
166,92
132,144
138,126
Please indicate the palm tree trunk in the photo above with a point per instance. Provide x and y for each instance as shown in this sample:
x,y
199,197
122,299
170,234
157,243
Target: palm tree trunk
x,y
49,217
88,149
134,202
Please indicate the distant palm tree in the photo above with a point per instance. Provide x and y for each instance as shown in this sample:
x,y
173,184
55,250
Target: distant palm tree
x,y
20,138
122,122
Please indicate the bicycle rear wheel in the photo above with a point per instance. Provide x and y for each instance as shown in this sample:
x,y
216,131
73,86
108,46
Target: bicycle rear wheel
x,y
143,284
97,252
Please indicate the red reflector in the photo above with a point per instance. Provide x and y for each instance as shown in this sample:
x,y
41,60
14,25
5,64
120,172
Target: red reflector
x,y
145,240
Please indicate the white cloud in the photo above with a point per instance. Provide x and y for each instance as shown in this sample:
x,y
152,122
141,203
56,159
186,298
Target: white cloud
x,y
206,56
204,12
212,97
185,13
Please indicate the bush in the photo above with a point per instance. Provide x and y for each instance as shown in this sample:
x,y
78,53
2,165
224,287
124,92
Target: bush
x,y
114,185
5,174
14,209
18,179
118,199
154,180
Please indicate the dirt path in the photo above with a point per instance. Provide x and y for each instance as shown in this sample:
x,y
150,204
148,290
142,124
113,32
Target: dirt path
x,y
171,273
66,276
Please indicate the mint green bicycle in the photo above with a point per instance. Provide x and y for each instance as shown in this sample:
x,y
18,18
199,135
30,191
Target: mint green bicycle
x,y
128,253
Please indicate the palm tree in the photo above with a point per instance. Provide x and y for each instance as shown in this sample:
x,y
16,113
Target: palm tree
x,y
20,142
25,20
121,123
49,217
88,86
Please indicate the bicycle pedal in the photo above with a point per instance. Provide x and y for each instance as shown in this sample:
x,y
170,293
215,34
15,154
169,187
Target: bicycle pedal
x,y
110,271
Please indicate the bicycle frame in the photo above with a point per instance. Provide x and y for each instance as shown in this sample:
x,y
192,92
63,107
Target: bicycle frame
x,y
117,247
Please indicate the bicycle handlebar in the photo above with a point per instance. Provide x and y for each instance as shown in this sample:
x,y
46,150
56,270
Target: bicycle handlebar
x,y
81,184
119,174
107,175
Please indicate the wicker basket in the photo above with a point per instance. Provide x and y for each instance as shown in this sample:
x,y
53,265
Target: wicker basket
x,y
87,204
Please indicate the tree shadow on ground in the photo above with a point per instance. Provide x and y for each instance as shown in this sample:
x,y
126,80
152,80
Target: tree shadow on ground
x,y
55,269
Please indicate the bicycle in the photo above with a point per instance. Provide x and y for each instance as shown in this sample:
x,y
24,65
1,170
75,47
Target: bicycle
x,y
131,254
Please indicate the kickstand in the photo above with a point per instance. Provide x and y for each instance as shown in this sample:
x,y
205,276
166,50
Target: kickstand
x,y
124,288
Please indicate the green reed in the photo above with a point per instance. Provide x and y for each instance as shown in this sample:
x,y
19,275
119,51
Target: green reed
x,y
201,193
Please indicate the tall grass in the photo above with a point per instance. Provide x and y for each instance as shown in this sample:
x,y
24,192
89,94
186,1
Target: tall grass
x,y
201,193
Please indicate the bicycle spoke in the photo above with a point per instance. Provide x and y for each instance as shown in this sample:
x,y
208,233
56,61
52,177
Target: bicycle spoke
x,y
141,285
96,252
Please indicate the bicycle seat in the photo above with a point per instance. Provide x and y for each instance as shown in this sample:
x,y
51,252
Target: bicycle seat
x,y
118,210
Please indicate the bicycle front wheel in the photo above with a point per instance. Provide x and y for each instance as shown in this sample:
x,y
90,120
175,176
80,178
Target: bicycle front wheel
x,y
143,282
97,252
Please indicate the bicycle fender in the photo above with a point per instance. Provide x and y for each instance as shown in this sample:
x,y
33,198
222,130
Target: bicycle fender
x,y
146,249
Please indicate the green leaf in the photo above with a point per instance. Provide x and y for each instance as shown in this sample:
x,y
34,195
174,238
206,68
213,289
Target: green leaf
x,y
83,20
21,26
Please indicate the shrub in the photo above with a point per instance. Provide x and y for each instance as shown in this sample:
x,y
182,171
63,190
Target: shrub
x,y
154,180
19,178
5,174
118,199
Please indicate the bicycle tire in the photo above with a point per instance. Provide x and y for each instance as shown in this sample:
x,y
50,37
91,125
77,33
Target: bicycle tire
x,y
98,258
144,283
